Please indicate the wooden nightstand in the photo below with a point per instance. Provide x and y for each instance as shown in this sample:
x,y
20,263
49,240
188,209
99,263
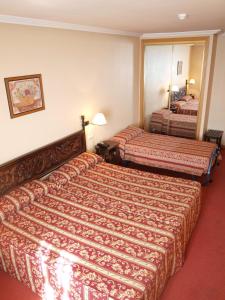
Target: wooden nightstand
x,y
173,108
212,135
215,136
109,150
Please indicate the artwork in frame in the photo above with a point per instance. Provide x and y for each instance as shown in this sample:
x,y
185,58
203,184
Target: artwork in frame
x,y
25,94
179,67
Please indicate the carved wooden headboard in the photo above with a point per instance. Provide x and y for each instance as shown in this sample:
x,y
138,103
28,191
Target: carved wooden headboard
x,y
178,95
40,162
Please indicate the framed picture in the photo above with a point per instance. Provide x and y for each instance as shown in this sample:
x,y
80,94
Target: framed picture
x,y
25,94
179,67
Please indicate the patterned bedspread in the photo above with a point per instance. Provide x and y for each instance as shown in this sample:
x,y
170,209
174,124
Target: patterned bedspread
x,y
97,231
167,152
166,122
182,125
188,108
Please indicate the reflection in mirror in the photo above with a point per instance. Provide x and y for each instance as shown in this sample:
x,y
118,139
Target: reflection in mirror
x,y
172,88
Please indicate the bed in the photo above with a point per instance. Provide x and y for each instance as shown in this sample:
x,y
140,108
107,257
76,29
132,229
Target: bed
x,y
189,107
184,104
91,230
166,122
192,157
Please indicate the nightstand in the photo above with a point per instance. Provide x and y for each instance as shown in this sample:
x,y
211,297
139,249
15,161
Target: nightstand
x,y
215,136
109,150
173,108
212,135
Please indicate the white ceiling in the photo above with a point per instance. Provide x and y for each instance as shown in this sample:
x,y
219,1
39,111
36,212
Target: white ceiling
x,y
141,16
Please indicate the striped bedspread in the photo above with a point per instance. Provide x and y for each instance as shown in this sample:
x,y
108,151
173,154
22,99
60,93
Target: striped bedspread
x,y
167,152
166,122
97,231
159,121
182,125
188,108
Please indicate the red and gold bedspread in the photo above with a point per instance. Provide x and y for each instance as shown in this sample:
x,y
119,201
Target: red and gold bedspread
x,y
188,107
167,152
165,122
97,231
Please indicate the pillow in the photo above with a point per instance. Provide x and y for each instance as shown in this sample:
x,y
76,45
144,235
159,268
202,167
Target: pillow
x,y
88,158
20,197
186,98
74,167
125,136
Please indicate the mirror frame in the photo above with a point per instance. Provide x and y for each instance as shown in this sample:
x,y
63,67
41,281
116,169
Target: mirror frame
x,y
170,41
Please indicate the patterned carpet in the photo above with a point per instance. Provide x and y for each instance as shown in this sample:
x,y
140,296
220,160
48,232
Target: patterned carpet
x,y
202,276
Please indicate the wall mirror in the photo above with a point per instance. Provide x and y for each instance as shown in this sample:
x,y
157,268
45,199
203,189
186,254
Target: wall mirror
x,y
172,86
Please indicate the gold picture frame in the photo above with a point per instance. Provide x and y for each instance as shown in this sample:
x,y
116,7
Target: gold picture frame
x,y
25,94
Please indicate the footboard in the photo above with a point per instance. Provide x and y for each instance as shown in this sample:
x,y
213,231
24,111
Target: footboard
x,y
212,163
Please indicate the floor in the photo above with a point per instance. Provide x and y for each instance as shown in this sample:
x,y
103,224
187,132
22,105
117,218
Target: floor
x,y
203,274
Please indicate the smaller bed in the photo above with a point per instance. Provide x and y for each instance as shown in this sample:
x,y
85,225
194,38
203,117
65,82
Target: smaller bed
x,y
186,156
166,122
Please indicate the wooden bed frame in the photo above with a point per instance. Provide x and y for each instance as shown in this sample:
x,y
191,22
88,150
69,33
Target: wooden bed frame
x,y
40,162
204,179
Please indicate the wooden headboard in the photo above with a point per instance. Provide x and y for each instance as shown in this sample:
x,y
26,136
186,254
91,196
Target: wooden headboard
x,y
178,95
40,162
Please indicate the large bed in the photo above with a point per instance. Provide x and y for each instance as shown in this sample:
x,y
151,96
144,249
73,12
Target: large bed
x,y
192,157
89,229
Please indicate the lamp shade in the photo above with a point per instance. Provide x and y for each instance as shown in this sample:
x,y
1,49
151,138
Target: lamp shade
x,y
175,88
99,119
192,81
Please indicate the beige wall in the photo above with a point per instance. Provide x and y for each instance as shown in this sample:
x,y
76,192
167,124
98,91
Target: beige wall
x,y
82,73
196,64
217,106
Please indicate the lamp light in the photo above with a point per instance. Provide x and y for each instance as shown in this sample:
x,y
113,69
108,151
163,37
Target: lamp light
x,y
192,81
174,88
99,119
